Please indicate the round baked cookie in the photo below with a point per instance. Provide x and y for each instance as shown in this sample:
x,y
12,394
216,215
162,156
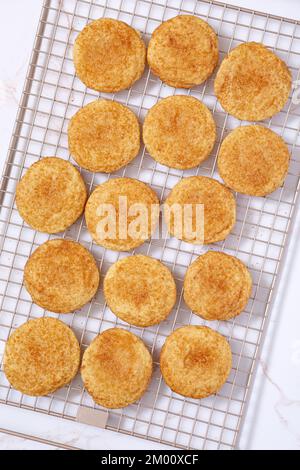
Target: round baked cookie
x,y
183,51
104,136
116,368
217,286
109,55
51,195
122,213
61,276
253,160
195,361
140,290
252,83
41,356
219,209
179,132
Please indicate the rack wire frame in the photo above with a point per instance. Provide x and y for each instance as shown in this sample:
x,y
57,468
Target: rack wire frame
x,y
51,95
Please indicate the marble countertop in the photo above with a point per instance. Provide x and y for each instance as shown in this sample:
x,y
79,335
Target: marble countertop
x,y
273,418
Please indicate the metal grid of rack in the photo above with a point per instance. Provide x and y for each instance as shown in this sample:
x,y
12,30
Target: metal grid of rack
x,y
52,94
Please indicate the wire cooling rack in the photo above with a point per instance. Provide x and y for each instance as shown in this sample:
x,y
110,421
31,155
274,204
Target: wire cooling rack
x,y
52,94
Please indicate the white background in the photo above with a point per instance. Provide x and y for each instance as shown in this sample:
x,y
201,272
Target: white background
x,y
273,420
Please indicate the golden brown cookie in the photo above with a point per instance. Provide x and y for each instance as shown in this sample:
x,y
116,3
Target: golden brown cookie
x,y
104,136
218,204
112,203
253,160
116,368
41,356
179,131
195,361
140,290
109,55
61,276
183,51
217,286
51,195
252,83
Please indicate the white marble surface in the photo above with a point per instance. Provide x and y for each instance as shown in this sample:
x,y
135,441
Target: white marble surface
x,y
273,419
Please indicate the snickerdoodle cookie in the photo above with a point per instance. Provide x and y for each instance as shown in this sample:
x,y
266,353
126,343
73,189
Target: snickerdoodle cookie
x,y
41,356
193,197
116,368
109,55
140,290
51,195
104,136
61,276
253,160
122,213
179,132
195,361
217,286
252,83
183,51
